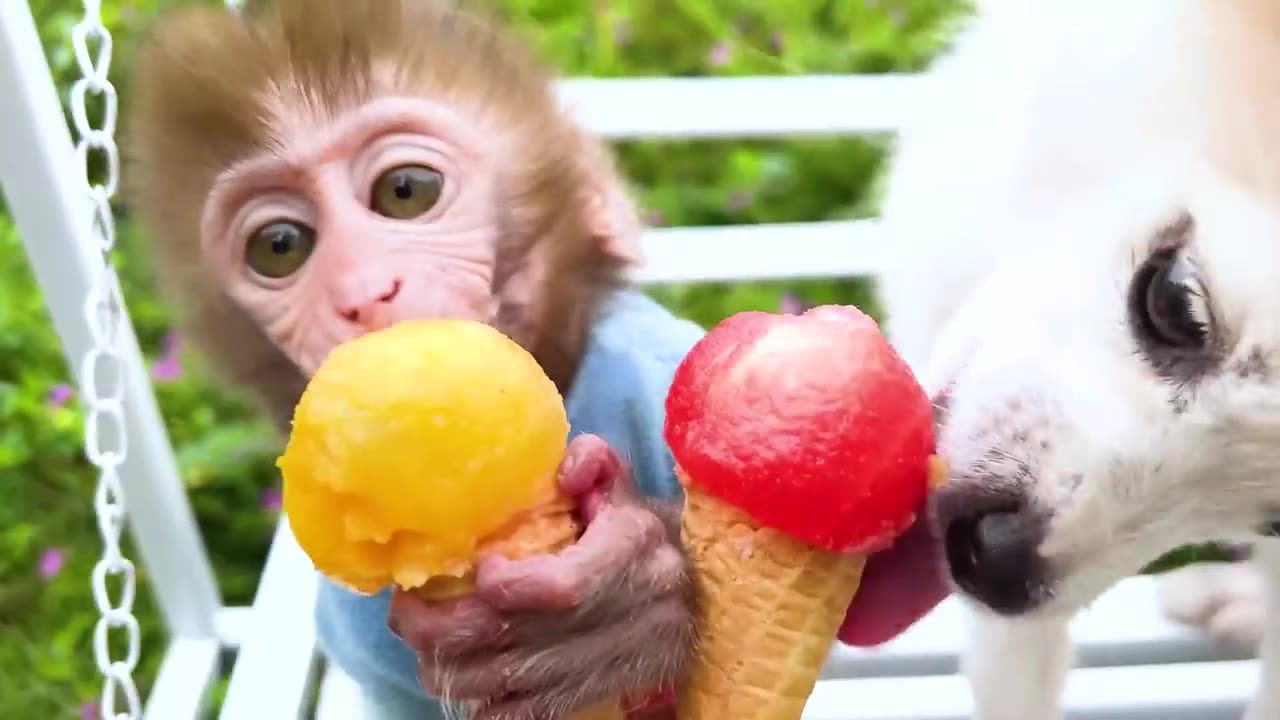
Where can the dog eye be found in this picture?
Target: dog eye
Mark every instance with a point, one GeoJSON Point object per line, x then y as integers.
{"type": "Point", "coordinates": [1169, 314]}
{"type": "Point", "coordinates": [1171, 308]}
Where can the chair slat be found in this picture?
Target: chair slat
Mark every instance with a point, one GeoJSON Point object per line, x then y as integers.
{"type": "Point", "coordinates": [762, 252]}
{"type": "Point", "coordinates": [187, 674]}
{"type": "Point", "coordinates": [740, 107]}
{"type": "Point", "coordinates": [277, 664]}
{"type": "Point", "coordinates": [1185, 691]}
{"type": "Point", "coordinates": [1123, 627]}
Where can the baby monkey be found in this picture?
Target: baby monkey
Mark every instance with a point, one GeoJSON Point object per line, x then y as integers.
{"type": "Point", "coordinates": [312, 170]}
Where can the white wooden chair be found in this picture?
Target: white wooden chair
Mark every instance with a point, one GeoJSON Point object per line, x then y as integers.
{"type": "Point", "coordinates": [1123, 644]}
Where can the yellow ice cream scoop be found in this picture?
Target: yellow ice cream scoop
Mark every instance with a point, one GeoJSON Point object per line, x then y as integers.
{"type": "Point", "coordinates": [413, 445]}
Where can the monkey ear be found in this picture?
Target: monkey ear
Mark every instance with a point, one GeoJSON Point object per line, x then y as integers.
{"type": "Point", "coordinates": [615, 223]}
{"type": "Point", "coordinates": [611, 212]}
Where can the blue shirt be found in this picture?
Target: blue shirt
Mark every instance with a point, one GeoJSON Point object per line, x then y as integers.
{"type": "Point", "coordinates": [619, 393]}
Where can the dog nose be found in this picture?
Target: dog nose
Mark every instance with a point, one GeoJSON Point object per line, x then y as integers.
{"type": "Point", "coordinates": [991, 540]}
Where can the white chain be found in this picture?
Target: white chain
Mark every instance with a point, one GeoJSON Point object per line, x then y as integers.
{"type": "Point", "coordinates": [102, 372]}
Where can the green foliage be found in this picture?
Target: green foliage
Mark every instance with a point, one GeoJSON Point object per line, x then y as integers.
{"type": "Point", "coordinates": [225, 451]}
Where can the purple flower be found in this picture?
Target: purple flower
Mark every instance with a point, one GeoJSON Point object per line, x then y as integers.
{"type": "Point", "coordinates": [778, 41]}
{"type": "Point", "coordinates": [792, 305]}
{"type": "Point", "coordinates": [166, 370]}
{"type": "Point", "coordinates": [51, 563]}
{"type": "Point", "coordinates": [60, 394]}
{"type": "Point", "coordinates": [738, 201]}
{"type": "Point", "coordinates": [720, 55]}
{"type": "Point", "coordinates": [169, 366]}
{"type": "Point", "coordinates": [89, 710]}
{"type": "Point", "coordinates": [654, 218]}
{"type": "Point", "coordinates": [271, 500]}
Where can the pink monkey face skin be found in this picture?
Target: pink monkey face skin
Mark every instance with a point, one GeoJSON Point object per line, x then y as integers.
{"type": "Point", "coordinates": [355, 222]}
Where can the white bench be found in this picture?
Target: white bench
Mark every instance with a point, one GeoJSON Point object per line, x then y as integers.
{"type": "Point", "coordinates": [1122, 642]}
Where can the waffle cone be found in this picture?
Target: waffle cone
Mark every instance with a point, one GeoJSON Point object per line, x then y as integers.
{"type": "Point", "coordinates": [547, 529]}
{"type": "Point", "coordinates": [769, 607]}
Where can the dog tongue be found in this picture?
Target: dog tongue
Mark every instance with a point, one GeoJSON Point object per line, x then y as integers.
{"type": "Point", "coordinates": [899, 586]}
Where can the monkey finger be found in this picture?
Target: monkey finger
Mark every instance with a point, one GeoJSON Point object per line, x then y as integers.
{"type": "Point", "coordinates": [483, 678]}
{"type": "Point", "coordinates": [473, 681]}
{"type": "Point", "coordinates": [433, 678]}
{"type": "Point", "coordinates": [590, 504]}
{"type": "Point", "coordinates": [624, 599]}
{"type": "Point", "coordinates": [669, 511]}
{"type": "Point", "coordinates": [664, 572]}
{"type": "Point", "coordinates": [456, 627]}
{"type": "Point", "coordinates": [633, 655]}
{"type": "Point", "coordinates": [589, 464]}
{"type": "Point", "coordinates": [611, 545]}
{"type": "Point", "coordinates": [537, 584]}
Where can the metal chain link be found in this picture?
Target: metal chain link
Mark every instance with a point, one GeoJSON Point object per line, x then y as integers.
{"type": "Point", "coordinates": [102, 372]}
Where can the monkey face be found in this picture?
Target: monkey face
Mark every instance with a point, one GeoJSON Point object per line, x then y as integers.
{"type": "Point", "coordinates": [311, 170]}
{"type": "Point", "coordinates": [357, 221]}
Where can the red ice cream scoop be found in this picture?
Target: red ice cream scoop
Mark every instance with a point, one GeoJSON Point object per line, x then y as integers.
{"type": "Point", "coordinates": [812, 424]}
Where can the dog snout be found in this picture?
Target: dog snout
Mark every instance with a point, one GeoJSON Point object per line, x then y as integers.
{"type": "Point", "coordinates": [991, 539]}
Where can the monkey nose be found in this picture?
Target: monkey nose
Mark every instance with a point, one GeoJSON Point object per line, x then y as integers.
{"type": "Point", "coordinates": [371, 310]}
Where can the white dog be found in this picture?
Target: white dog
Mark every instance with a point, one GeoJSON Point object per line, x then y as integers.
{"type": "Point", "coordinates": [1086, 219]}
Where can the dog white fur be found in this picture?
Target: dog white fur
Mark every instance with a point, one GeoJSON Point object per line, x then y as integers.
{"type": "Point", "coordinates": [1060, 145]}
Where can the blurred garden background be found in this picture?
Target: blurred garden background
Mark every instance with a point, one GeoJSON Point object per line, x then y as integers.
{"type": "Point", "coordinates": [48, 536]}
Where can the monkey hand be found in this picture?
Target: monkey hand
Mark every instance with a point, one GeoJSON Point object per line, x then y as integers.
{"type": "Point", "coordinates": [604, 618]}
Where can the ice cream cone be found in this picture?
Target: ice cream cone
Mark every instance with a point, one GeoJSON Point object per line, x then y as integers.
{"type": "Point", "coordinates": [769, 609]}
{"type": "Point", "coordinates": [546, 529]}
{"type": "Point", "coordinates": [801, 443]}
{"type": "Point", "coordinates": [769, 606]}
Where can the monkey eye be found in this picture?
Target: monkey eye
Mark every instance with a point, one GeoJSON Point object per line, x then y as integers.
{"type": "Point", "coordinates": [279, 249]}
{"type": "Point", "coordinates": [406, 192]}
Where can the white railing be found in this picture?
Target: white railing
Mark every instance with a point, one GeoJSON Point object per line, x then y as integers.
{"type": "Point", "coordinates": [1121, 642]}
